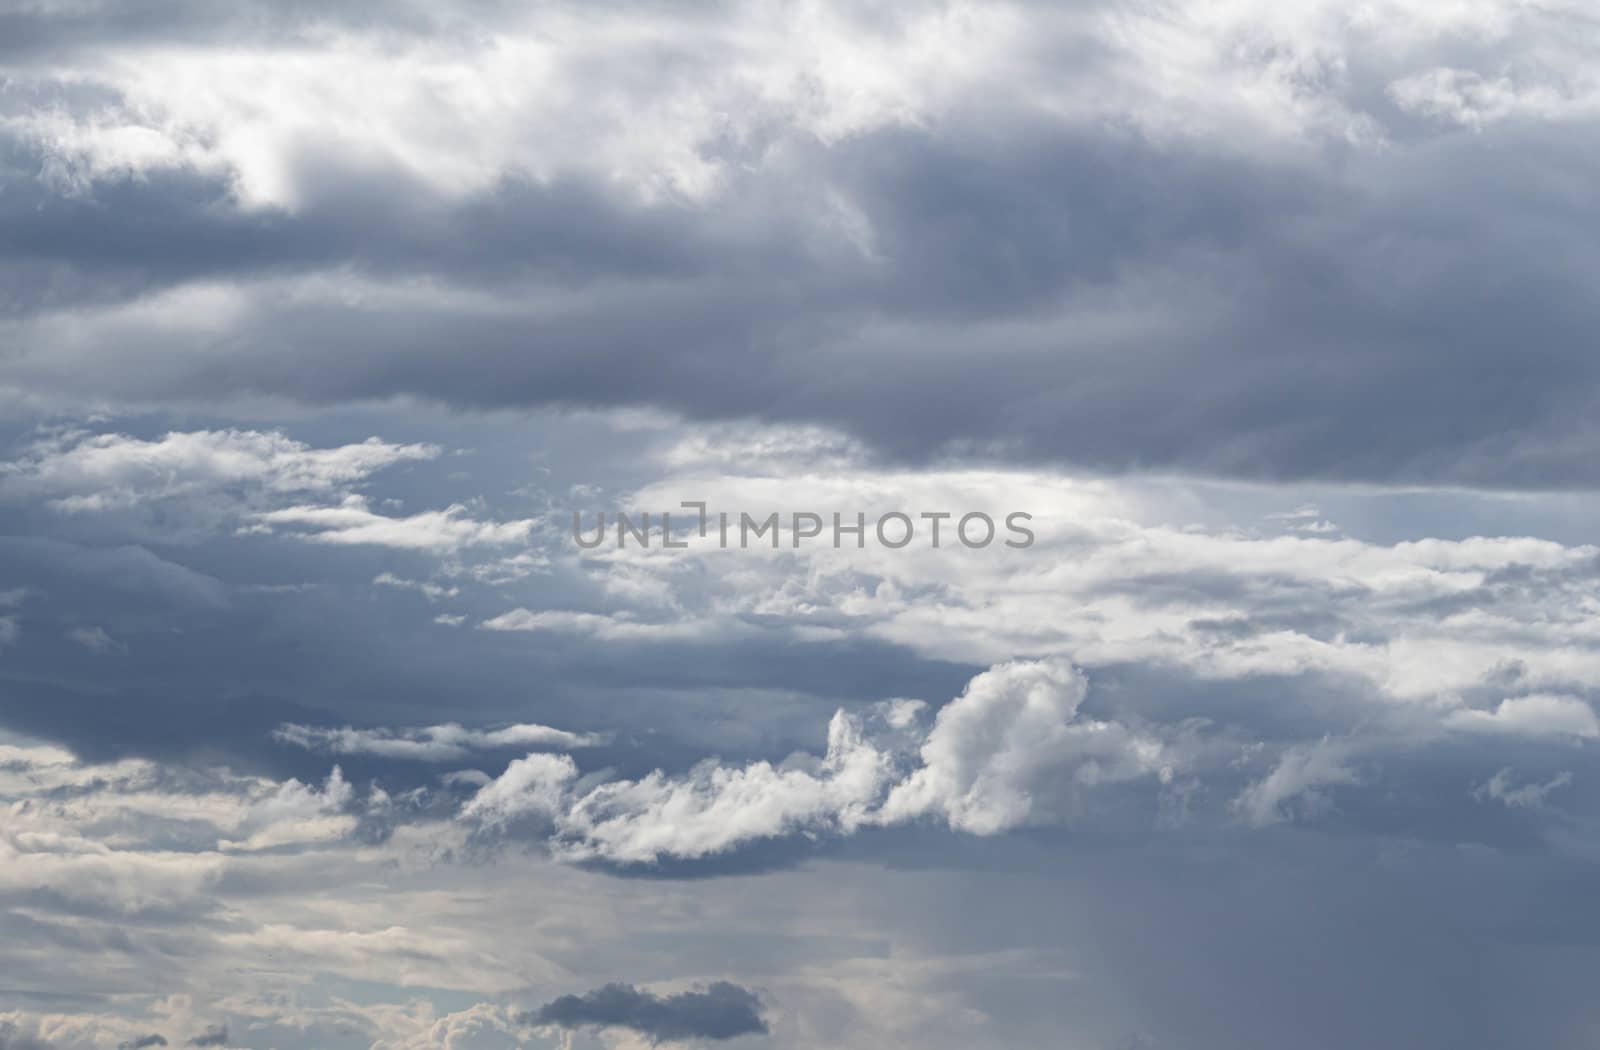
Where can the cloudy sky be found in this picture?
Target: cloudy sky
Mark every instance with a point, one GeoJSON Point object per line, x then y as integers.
{"type": "Point", "coordinates": [320, 322]}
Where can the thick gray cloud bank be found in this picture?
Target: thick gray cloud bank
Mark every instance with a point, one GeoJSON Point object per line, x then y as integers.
{"type": "Point", "coordinates": [1256, 240]}
{"type": "Point", "coordinates": [724, 1010]}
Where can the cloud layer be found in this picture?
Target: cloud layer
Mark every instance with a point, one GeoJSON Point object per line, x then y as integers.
{"type": "Point", "coordinates": [319, 322]}
{"type": "Point", "coordinates": [1323, 264]}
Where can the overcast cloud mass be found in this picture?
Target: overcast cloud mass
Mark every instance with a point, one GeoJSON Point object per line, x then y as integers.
{"type": "Point", "coordinates": [319, 322]}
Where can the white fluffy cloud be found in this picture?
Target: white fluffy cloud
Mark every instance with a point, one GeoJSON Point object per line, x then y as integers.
{"type": "Point", "coordinates": [1009, 751]}
{"type": "Point", "coordinates": [532, 786]}
{"type": "Point", "coordinates": [994, 754]}
{"type": "Point", "coordinates": [715, 808]}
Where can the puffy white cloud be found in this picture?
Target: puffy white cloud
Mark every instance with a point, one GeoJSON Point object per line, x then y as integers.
{"type": "Point", "coordinates": [1010, 750]}
{"type": "Point", "coordinates": [715, 808]}
{"type": "Point", "coordinates": [532, 786]}
{"type": "Point", "coordinates": [998, 751]}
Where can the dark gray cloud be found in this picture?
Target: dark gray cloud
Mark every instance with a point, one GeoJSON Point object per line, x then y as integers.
{"type": "Point", "coordinates": [1415, 311]}
{"type": "Point", "coordinates": [83, 250]}
{"type": "Point", "coordinates": [214, 1035]}
{"type": "Point", "coordinates": [722, 1011]}
{"type": "Point", "coordinates": [1233, 284]}
{"type": "Point", "coordinates": [143, 1042]}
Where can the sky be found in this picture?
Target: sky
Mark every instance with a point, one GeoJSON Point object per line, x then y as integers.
{"type": "Point", "coordinates": [1211, 383]}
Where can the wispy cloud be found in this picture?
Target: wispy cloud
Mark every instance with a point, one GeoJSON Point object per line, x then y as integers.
{"type": "Point", "coordinates": [439, 743]}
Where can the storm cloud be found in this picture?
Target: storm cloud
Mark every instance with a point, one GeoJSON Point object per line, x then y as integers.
{"type": "Point", "coordinates": [1325, 263]}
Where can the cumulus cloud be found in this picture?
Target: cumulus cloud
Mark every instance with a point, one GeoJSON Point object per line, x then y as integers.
{"type": "Point", "coordinates": [716, 808]}
{"type": "Point", "coordinates": [533, 786]}
{"type": "Point", "coordinates": [445, 742]}
{"type": "Point", "coordinates": [1011, 750]}
{"type": "Point", "coordinates": [722, 1011]}
{"type": "Point", "coordinates": [992, 752]}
